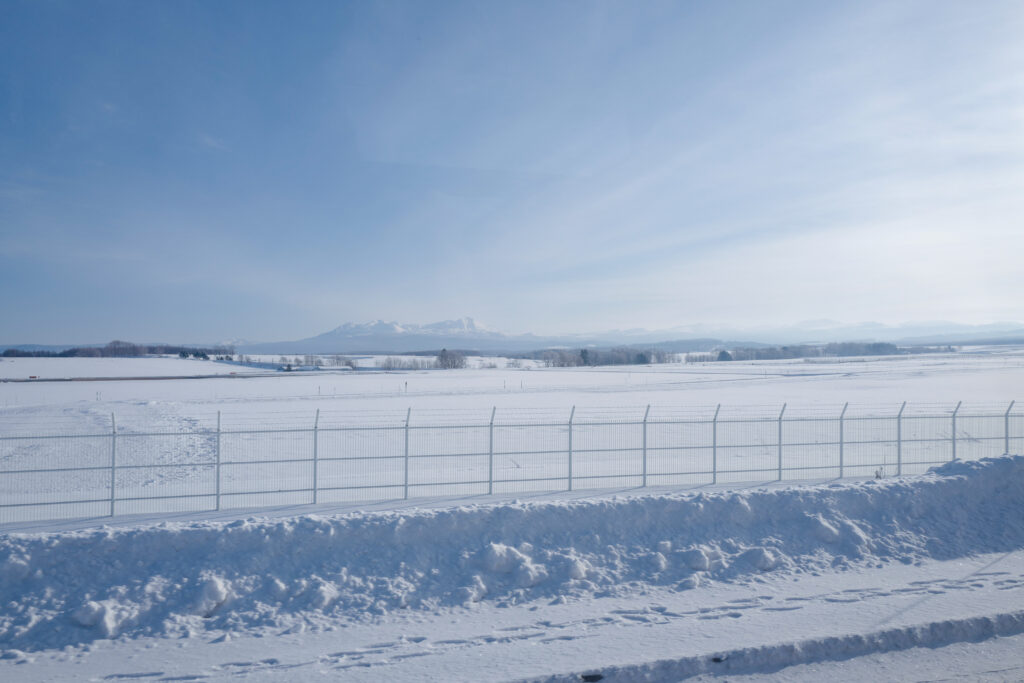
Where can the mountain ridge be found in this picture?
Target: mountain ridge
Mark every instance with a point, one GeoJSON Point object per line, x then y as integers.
{"type": "Point", "coordinates": [380, 336]}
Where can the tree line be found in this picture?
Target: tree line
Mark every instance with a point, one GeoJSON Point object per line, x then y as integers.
{"type": "Point", "coordinates": [445, 360]}
{"type": "Point", "coordinates": [622, 355]}
{"type": "Point", "coordinates": [123, 349]}
{"type": "Point", "coordinates": [831, 350]}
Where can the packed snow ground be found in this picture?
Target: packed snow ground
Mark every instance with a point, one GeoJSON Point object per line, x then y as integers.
{"type": "Point", "coordinates": [652, 587]}
{"type": "Point", "coordinates": [174, 464]}
{"type": "Point", "coordinates": [98, 368]}
{"type": "Point", "coordinates": [934, 562]}
{"type": "Point", "coordinates": [271, 398]}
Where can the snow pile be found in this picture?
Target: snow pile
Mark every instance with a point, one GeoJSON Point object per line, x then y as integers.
{"type": "Point", "coordinates": [770, 658]}
{"type": "Point", "coordinates": [316, 572]}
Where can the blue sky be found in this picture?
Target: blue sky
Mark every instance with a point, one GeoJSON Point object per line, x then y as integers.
{"type": "Point", "coordinates": [198, 171]}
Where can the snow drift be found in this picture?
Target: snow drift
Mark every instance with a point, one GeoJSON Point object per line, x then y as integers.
{"type": "Point", "coordinates": [67, 588]}
{"type": "Point", "coordinates": [771, 658]}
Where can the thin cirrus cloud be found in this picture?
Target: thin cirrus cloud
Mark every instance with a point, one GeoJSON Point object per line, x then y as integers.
{"type": "Point", "coordinates": [546, 167]}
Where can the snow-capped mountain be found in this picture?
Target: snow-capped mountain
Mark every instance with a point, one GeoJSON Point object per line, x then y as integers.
{"type": "Point", "coordinates": [381, 336]}
{"type": "Point", "coordinates": [461, 326]}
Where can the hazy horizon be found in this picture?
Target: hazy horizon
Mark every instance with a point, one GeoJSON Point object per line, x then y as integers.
{"type": "Point", "coordinates": [798, 332]}
{"type": "Point", "coordinates": [200, 172]}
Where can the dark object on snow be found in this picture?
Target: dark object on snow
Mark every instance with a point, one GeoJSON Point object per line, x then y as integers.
{"type": "Point", "coordinates": [592, 678]}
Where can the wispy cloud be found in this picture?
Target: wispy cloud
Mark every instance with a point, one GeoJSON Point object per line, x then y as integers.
{"type": "Point", "coordinates": [668, 164]}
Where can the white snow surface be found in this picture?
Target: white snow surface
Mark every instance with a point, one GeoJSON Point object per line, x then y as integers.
{"type": "Point", "coordinates": [267, 578]}
{"type": "Point", "coordinates": [912, 578]}
{"type": "Point", "coordinates": [95, 368]}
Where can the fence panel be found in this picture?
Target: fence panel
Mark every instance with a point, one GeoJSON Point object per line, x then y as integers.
{"type": "Point", "coordinates": [607, 455]}
{"type": "Point", "coordinates": [680, 453]}
{"type": "Point", "coordinates": [747, 449]}
{"type": "Point", "coordinates": [871, 446]}
{"type": "Point", "coordinates": [926, 442]}
{"type": "Point", "coordinates": [54, 476]}
{"type": "Point", "coordinates": [531, 457]}
{"type": "Point", "coordinates": [360, 464]}
{"type": "Point", "coordinates": [979, 436]}
{"type": "Point", "coordinates": [810, 448]}
{"type": "Point", "coordinates": [448, 460]}
{"type": "Point", "coordinates": [1014, 426]}
{"type": "Point", "coordinates": [266, 468]}
{"type": "Point", "coordinates": [165, 473]}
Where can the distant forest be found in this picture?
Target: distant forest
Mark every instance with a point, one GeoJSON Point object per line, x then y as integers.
{"type": "Point", "coordinates": [835, 349]}
{"type": "Point", "coordinates": [123, 349]}
{"type": "Point", "coordinates": [571, 358]}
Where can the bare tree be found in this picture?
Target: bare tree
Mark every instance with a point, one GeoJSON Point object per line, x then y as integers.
{"type": "Point", "coordinates": [450, 360]}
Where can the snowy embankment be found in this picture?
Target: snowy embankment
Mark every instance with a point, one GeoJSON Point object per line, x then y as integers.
{"type": "Point", "coordinates": [313, 572]}
{"type": "Point", "coordinates": [777, 656]}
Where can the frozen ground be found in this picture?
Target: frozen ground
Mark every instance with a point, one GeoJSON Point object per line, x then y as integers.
{"type": "Point", "coordinates": [921, 577]}
{"type": "Point", "coordinates": [466, 436]}
{"type": "Point", "coordinates": [888, 580]}
{"type": "Point", "coordinates": [93, 368]}
{"type": "Point", "coordinates": [990, 377]}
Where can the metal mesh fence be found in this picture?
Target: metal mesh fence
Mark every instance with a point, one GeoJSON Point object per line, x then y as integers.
{"type": "Point", "coordinates": [342, 458]}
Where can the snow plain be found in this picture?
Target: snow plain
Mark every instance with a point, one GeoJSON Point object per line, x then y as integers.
{"type": "Point", "coordinates": [844, 579]}
{"type": "Point", "coordinates": [990, 377]}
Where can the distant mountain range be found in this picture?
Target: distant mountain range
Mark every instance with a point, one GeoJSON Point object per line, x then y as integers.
{"type": "Point", "coordinates": [381, 336]}
{"type": "Point", "coordinates": [466, 334]}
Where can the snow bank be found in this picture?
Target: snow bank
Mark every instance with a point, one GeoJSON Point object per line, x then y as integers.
{"type": "Point", "coordinates": [258, 575]}
{"type": "Point", "coordinates": [769, 658]}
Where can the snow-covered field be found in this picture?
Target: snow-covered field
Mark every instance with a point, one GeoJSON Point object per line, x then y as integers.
{"type": "Point", "coordinates": [180, 454]}
{"type": "Point", "coordinates": [656, 587]}
{"type": "Point", "coordinates": [990, 377]}
{"type": "Point", "coordinates": [841, 580]}
{"type": "Point", "coordinates": [94, 368]}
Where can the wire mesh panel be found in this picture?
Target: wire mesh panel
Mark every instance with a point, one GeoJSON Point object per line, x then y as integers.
{"type": "Point", "coordinates": [365, 456]}
{"type": "Point", "coordinates": [360, 464]}
{"type": "Point", "coordinates": [1014, 433]}
{"type": "Point", "coordinates": [54, 477]}
{"type": "Point", "coordinates": [979, 436]}
{"type": "Point", "coordinates": [531, 457]}
{"type": "Point", "coordinates": [266, 468]}
{"type": "Point", "coordinates": [607, 454]}
{"type": "Point", "coordinates": [448, 460]}
{"type": "Point", "coordinates": [747, 450]}
{"type": "Point", "coordinates": [680, 452]}
{"type": "Point", "coordinates": [870, 446]}
{"type": "Point", "coordinates": [926, 441]}
{"type": "Point", "coordinates": [810, 448]}
{"type": "Point", "coordinates": [164, 473]}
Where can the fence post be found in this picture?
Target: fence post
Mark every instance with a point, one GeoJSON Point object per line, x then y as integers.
{"type": "Point", "coordinates": [405, 486]}
{"type": "Point", "coordinates": [316, 458]}
{"type": "Point", "coordinates": [781, 413]}
{"type": "Point", "coordinates": [646, 412]}
{"type": "Point", "coordinates": [953, 435]}
{"type": "Point", "coordinates": [899, 440]}
{"type": "Point", "coordinates": [571, 414]}
{"type": "Point", "coordinates": [714, 445]}
{"type": "Point", "coordinates": [490, 453]}
{"type": "Point", "coordinates": [113, 460]}
{"type": "Point", "coordinates": [841, 439]}
{"type": "Point", "coordinates": [218, 461]}
{"type": "Point", "coordinates": [1006, 426]}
